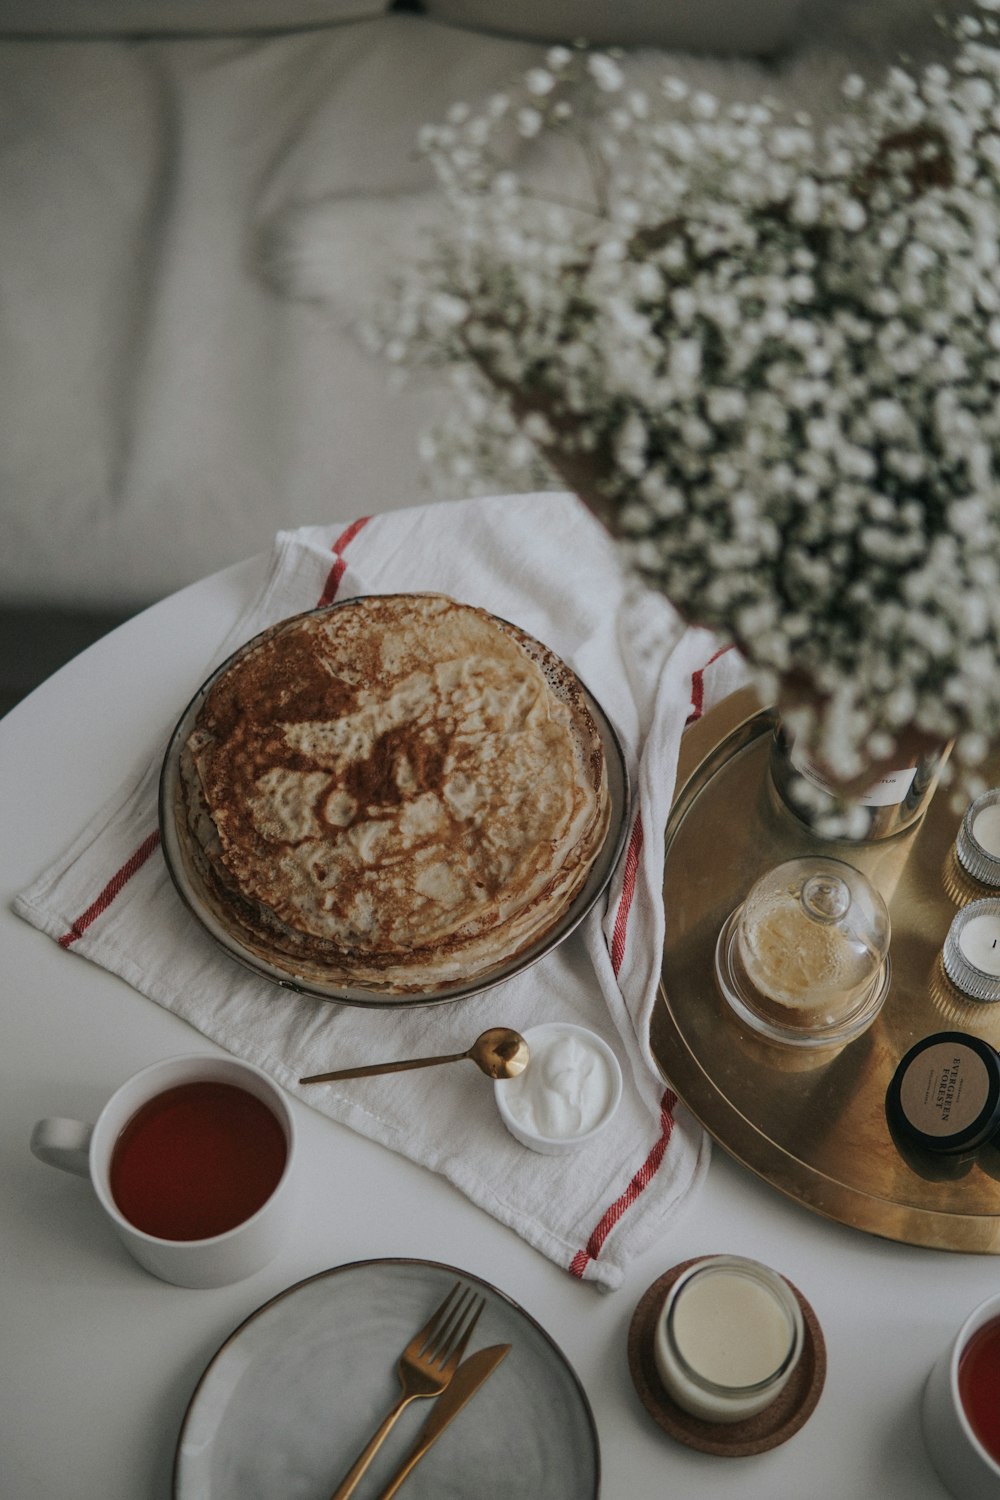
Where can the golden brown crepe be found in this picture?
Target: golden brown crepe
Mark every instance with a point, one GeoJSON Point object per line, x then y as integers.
{"type": "Point", "coordinates": [402, 789]}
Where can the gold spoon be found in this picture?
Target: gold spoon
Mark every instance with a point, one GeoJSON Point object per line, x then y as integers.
{"type": "Point", "coordinates": [499, 1052]}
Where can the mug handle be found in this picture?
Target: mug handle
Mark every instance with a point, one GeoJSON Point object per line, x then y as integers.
{"type": "Point", "coordinates": [63, 1143]}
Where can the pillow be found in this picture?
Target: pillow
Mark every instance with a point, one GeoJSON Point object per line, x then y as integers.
{"type": "Point", "coordinates": [723, 26]}
{"type": "Point", "coordinates": [126, 17]}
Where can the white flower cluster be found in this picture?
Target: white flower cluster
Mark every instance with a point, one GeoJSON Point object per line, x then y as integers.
{"type": "Point", "coordinates": [770, 352]}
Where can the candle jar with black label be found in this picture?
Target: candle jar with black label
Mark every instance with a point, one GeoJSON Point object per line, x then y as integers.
{"type": "Point", "coordinates": [944, 1097]}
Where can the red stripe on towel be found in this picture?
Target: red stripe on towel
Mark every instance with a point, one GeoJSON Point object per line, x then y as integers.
{"type": "Point", "coordinates": [135, 861]}
{"type": "Point", "coordinates": [638, 1184]}
{"type": "Point", "coordinates": [644, 1176]}
{"type": "Point", "coordinates": [651, 1165]}
{"type": "Point", "coordinates": [698, 686]}
{"type": "Point", "coordinates": [628, 891]}
{"type": "Point", "coordinates": [339, 568]}
{"type": "Point", "coordinates": [117, 882]}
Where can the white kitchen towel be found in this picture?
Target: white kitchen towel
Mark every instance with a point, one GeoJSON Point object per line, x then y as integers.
{"type": "Point", "coordinates": [542, 562]}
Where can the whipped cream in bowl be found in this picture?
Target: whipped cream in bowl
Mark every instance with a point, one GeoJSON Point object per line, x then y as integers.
{"type": "Point", "coordinates": [568, 1092]}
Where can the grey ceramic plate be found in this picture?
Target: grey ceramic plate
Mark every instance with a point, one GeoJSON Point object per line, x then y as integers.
{"type": "Point", "coordinates": [292, 1396]}
{"type": "Point", "coordinates": [310, 979]}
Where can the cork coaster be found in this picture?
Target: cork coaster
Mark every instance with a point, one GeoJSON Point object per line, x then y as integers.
{"type": "Point", "coordinates": [769, 1428]}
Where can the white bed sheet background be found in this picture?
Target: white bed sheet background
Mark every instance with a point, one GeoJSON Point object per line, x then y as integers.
{"type": "Point", "coordinates": [188, 231]}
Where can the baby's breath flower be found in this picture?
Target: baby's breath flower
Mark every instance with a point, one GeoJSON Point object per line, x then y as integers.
{"type": "Point", "coordinates": [771, 349]}
{"type": "Point", "coordinates": [606, 73]}
{"type": "Point", "coordinates": [539, 81]}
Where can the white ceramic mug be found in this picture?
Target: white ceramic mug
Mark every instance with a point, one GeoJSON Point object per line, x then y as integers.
{"type": "Point", "coordinates": [87, 1150]}
{"type": "Point", "coordinates": [964, 1466]}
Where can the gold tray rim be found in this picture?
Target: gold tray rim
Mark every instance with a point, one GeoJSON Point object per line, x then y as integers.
{"type": "Point", "coordinates": [723, 731]}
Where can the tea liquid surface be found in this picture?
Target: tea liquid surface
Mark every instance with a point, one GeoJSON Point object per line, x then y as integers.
{"type": "Point", "coordinates": [979, 1385]}
{"type": "Point", "coordinates": [196, 1161]}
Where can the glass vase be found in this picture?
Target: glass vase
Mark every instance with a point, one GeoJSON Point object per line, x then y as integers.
{"type": "Point", "coordinates": [895, 801]}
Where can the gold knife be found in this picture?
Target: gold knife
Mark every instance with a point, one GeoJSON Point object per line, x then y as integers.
{"type": "Point", "coordinates": [461, 1388]}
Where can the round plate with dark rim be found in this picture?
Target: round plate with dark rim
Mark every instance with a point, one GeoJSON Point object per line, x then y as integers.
{"type": "Point", "coordinates": [289, 1400]}
{"type": "Point", "coordinates": [308, 978]}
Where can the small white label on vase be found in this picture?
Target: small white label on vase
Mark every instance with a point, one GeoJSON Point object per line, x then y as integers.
{"type": "Point", "coordinates": [979, 941]}
{"type": "Point", "coordinates": [888, 791]}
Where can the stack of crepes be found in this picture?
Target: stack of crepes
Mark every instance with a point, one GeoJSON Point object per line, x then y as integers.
{"type": "Point", "coordinates": [400, 792]}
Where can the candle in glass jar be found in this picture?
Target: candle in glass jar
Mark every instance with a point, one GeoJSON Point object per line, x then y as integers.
{"type": "Point", "coordinates": [944, 1096]}
{"type": "Point", "coordinates": [979, 940]}
{"type": "Point", "coordinates": [978, 842]}
{"type": "Point", "coordinates": [972, 950]}
{"type": "Point", "coordinates": [728, 1338]}
{"type": "Point", "coordinates": [986, 826]}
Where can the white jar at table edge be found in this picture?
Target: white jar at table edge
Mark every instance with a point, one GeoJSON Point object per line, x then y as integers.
{"type": "Point", "coordinates": [728, 1338]}
{"type": "Point", "coordinates": [566, 1095]}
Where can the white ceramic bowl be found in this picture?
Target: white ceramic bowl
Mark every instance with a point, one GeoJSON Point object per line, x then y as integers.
{"type": "Point", "coordinates": [553, 1145]}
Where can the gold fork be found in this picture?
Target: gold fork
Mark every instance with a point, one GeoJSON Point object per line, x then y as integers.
{"type": "Point", "coordinates": [424, 1368]}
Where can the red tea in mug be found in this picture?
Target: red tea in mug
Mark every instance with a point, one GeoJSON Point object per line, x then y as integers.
{"type": "Point", "coordinates": [197, 1160]}
{"type": "Point", "coordinates": [979, 1385]}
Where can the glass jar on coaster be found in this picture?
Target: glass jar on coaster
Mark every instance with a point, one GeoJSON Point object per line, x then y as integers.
{"type": "Point", "coordinates": [726, 1355]}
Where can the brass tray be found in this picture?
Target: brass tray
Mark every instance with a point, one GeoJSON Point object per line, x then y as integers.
{"type": "Point", "coordinates": [813, 1125]}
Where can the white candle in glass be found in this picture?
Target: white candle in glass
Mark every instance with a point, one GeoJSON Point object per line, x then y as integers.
{"type": "Point", "coordinates": [986, 828]}
{"type": "Point", "coordinates": [978, 841]}
{"type": "Point", "coordinates": [728, 1338]}
{"type": "Point", "coordinates": [972, 950]}
{"type": "Point", "coordinates": [979, 940]}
